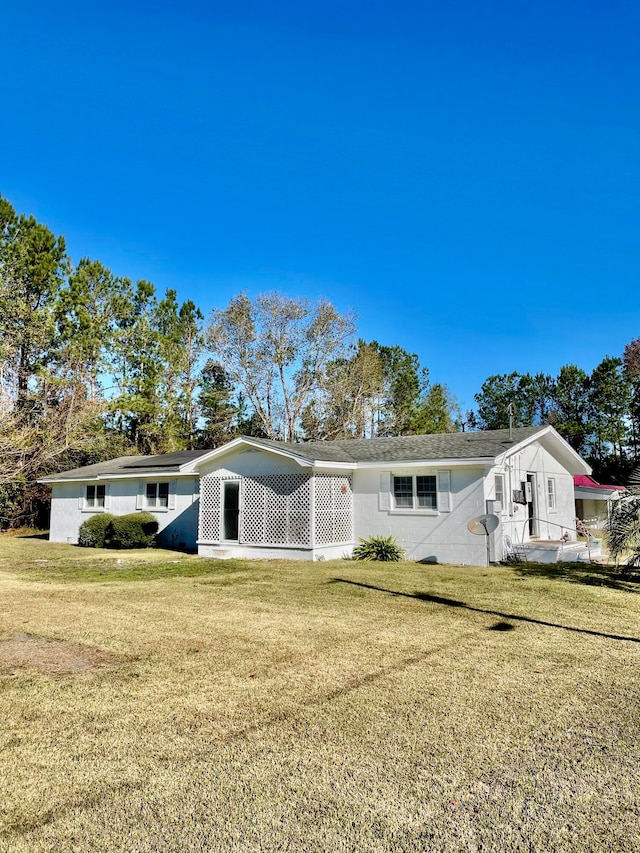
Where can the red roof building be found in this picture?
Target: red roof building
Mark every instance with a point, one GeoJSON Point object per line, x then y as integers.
{"type": "Point", "coordinates": [584, 481]}
{"type": "Point", "coordinates": [593, 500]}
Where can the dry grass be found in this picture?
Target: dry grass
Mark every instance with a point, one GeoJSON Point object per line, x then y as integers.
{"type": "Point", "coordinates": [303, 707]}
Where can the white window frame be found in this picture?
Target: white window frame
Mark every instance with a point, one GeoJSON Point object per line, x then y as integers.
{"type": "Point", "coordinates": [415, 505]}
{"type": "Point", "coordinates": [499, 488]}
{"type": "Point", "coordinates": [97, 502]}
{"type": "Point", "coordinates": [552, 503]}
{"type": "Point", "coordinates": [154, 502]}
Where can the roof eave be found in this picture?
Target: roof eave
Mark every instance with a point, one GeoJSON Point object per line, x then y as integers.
{"type": "Point", "coordinates": [501, 458]}
{"type": "Point", "coordinates": [448, 462]}
{"type": "Point", "coordinates": [346, 466]}
{"type": "Point", "coordinates": [155, 473]}
{"type": "Point", "coordinates": [593, 494]}
{"type": "Point", "coordinates": [576, 464]}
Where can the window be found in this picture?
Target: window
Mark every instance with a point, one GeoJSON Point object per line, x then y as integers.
{"type": "Point", "coordinates": [403, 491]}
{"type": "Point", "coordinates": [94, 497]}
{"type": "Point", "coordinates": [415, 492]}
{"type": "Point", "coordinates": [426, 492]}
{"type": "Point", "coordinates": [551, 493]}
{"type": "Point", "coordinates": [499, 481]}
{"type": "Point", "coordinates": [157, 495]}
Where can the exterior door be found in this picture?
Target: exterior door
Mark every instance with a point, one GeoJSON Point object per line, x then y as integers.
{"type": "Point", "coordinates": [532, 506]}
{"type": "Point", "coordinates": [230, 510]}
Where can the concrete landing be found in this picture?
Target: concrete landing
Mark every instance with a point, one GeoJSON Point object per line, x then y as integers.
{"type": "Point", "coordinates": [556, 551]}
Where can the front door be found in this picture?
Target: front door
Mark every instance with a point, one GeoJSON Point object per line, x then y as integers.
{"type": "Point", "coordinates": [532, 505]}
{"type": "Point", "coordinates": [230, 509]}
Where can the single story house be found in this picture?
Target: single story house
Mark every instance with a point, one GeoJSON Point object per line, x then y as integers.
{"type": "Point", "coordinates": [256, 497]}
{"type": "Point", "coordinates": [159, 484]}
{"type": "Point", "coordinates": [594, 500]}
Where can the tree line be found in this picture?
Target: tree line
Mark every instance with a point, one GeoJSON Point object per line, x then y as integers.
{"type": "Point", "coordinates": [94, 365]}
{"type": "Point", "coordinates": [598, 413]}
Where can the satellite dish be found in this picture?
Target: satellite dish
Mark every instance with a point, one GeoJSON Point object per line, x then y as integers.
{"type": "Point", "coordinates": [483, 525]}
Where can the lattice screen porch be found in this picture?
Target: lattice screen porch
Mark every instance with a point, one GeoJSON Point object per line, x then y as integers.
{"type": "Point", "coordinates": [298, 509]}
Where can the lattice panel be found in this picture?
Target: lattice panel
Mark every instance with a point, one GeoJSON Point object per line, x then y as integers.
{"type": "Point", "coordinates": [276, 509]}
{"type": "Point", "coordinates": [333, 509]}
{"type": "Point", "coordinates": [209, 522]}
{"type": "Point", "coordinates": [210, 517]}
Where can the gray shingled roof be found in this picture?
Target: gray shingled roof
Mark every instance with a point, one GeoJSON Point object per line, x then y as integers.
{"type": "Point", "coordinates": [408, 448]}
{"type": "Point", "coordinates": [164, 463]}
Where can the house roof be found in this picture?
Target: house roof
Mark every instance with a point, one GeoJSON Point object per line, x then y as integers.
{"type": "Point", "coordinates": [406, 448]}
{"type": "Point", "coordinates": [486, 447]}
{"type": "Point", "coordinates": [483, 446]}
{"type": "Point", "coordinates": [583, 481]}
{"type": "Point", "coordinates": [130, 466]}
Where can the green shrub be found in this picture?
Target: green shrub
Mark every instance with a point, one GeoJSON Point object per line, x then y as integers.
{"type": "Point", "coordinates": [136, 530]}
{"type": "Point", "coordinates": [93, 531]}
{"type": "Point", "coordinates": [383, 549]}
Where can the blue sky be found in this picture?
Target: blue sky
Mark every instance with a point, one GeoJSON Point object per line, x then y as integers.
{"type": "Point", "coordinates": [465, 175]}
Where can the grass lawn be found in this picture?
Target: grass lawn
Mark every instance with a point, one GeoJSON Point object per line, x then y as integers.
{"type": "Point", "coordinates": [170, 703]}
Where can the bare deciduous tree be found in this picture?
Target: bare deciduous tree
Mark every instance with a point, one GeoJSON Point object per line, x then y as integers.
{"type": "Point", "coordinates": [276, 349]}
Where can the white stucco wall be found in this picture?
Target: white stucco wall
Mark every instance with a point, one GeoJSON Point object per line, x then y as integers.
{"type": "Point", "coordinates": [439, 537]}
{"type": "Point", "coordinates": [178, 526]}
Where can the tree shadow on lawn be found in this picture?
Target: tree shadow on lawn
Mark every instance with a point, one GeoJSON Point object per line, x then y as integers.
{"type": "Point", "coordinates": [589, 574]}
{"type": "Point", "coordinates": [452, 602]}
{"type": "Point", "coordinates": [43, 536]}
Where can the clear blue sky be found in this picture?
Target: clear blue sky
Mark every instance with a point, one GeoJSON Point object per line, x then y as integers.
{"type": "Point", "coordinates": [465, 175]}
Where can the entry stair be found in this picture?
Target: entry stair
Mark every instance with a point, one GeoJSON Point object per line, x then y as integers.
{"type": "Point", "coordinates": [564, 549]}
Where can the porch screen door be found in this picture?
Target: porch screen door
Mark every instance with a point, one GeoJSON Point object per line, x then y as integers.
{"type": "Point", "coordinates": [230, 509]}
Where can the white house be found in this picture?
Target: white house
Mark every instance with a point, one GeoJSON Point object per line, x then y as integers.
{"type": "Point", "coordinates": [313, 500]}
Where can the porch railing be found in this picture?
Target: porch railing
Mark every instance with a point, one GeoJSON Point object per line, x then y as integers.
{"type": "Point", "coordinates": [563, 529]}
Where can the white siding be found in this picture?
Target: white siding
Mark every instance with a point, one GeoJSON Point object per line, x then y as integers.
{"type": "Point", "coordinates": [178, 526]}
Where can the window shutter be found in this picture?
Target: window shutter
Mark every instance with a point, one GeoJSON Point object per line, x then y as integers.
{"type": "Point", "coordinates": [140, 498]}
{"type": "Point", "coordinates": [384, 496]}
{"type": "Point", "coordinates": [107, 496]}
{"type": "Point", "coordinates": [83, 491]}
{"type": "Point", "coordinates": [444, 491]}
{"type": "Point", "coordinates": [173, 488]}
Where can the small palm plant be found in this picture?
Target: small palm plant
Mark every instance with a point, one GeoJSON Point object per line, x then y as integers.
{"type": "Point", "coordinates": [623, 526]}
{"type": "Point", "coordinates": [383, 549]}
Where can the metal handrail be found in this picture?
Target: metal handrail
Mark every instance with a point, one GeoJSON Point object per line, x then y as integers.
{"type": "Point", "coordinates": [562, 528]}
